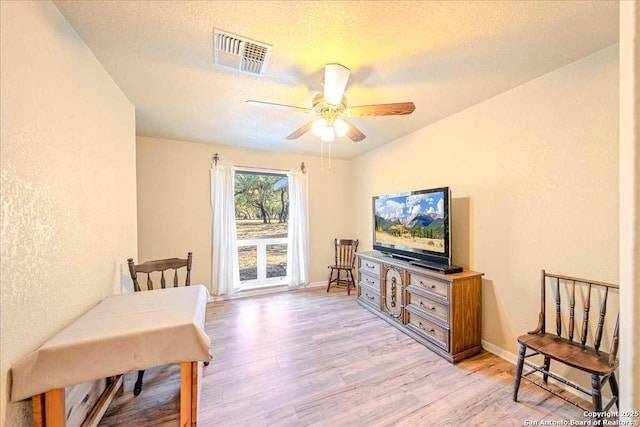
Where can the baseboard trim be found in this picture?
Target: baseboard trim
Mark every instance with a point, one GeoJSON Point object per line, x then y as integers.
{"type": "Point", "coordinates": [500, 352]}
{"type": "Point", "coordinates": [264, 291]}
{"type": "Point", "coordinates": [315, 285]}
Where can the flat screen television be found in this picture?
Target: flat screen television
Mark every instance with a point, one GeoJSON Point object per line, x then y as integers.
{"type": "Point", "coordinates": [414, 225]}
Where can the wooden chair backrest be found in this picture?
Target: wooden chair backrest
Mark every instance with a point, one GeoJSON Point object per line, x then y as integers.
{"type": "Point", "coordinates": [161, 266]}
{"type": "Point", "coordinates": [346, 252]}
{"type": "Point", "coordinates": [567, 285]}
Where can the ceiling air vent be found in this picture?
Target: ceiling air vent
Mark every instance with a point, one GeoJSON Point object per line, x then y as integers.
{"type": "Point", "coordinates": [240, 53]}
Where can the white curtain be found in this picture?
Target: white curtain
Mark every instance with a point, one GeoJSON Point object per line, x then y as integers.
{"type": "Point", "coordinates": [224, 265]}
{"type": "Point", "coordinates": [298, 249]}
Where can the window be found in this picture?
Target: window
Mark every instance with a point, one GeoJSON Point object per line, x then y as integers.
{"type": "Point", "coordinates": [262, 211]}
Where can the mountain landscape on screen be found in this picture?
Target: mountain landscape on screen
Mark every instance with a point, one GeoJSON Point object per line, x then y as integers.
{"type": "Point", "coordinates": [411, 221]}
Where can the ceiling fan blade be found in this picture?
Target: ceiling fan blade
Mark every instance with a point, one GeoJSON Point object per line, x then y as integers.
{"type": "Point", "coordinates": [354, 133]}
{"type": "Point", "coordinates": [335, 82]}
{"type": "Point", "coordinates": [396, 109]}
{"type": "Point", "coordinates": [279, 106]}
{"type": "Point", "coordinates": [300, 131]}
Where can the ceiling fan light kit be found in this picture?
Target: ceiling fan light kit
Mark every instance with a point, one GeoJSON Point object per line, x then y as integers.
{"type": "Point", "coordinates": [317, 128]}
{"type": "Point", "coordinates": [329, 124]}
{"type": "Point", "coordinates": [328, 134]}
{"type": "Point", "coordinates": [341, 127]}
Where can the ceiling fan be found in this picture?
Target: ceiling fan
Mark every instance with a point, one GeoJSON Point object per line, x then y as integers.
{"type": "Point", "coordinates": [331, 108]}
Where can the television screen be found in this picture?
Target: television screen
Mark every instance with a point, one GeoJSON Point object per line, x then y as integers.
{"type": "Point", "coordinates": [414, 224]}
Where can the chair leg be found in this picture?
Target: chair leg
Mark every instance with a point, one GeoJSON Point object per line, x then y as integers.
{"type": "Point", "coordinates": [137, 388]}
{"type": "Point", "coordinates": [614, 388]}
{"type": "Point", "coordinates": [547, 364]}
{"type": "Point", "coordinates": [596, 393]}
{"type": "Point", "coordinates": [353, 280]}
{"type": "Point", "coordinates": [329, 279]}
{"type": "Point", "coordinates": [518, 376]}
{"type": "Point", "coordinates": [348, 280]}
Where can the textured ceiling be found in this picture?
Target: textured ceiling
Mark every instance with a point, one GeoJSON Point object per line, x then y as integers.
{"type": "Point", "coordinates": [443, 56]}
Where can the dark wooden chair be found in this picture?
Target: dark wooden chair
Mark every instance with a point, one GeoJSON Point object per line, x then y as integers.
{"type": "Point", "coordinates": [561, 347]}
{"type": "Point", "coordinates": [345, 259]}
{"type": "Point", "coordinates": [156, 266]}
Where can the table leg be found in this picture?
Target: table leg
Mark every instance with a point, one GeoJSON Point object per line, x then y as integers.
{"type": "Point", "coordinates": [48, 409]}
{"type": "Point", "coordinates": [37, 409]}
{"type": "Point", "coordinates": [189, 394]}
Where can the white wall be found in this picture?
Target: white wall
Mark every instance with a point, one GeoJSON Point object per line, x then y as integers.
{"type": "Point", "coordinates": [67, 157]}
{"type": "Point", "coordinates": [534, 177]}
{"type": "Point", "coordinates": [174, 204]}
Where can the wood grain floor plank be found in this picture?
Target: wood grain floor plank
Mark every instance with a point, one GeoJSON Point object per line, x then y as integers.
{"type": "Point", "coordinates": [311, 358]}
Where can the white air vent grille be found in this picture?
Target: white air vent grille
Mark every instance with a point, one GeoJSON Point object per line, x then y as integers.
{"type": "Point", "coordinates": [240, 53]}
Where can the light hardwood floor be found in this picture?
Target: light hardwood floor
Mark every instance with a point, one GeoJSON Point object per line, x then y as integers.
{"type": "Point", "coordinates": [308, 358]}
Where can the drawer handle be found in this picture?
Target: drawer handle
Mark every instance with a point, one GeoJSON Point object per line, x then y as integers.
{"type": "Point", "coordinates": [369, 296]}
{"type": "Point", "coordinates": [366, 279]}
{"type": "Point", "coordinates": [433, 307]}
{"type": "Point", "coordinates": [370, 266]}
{"type": "Point", "coordinates": [424, 286]}
{"type": "Point", "coordinates": [425, 329]}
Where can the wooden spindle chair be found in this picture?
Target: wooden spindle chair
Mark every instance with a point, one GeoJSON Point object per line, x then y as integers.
{"type": "Point", "coordinates": [161, 266]}
{"type": "Point", "coordinates": [561, 347]}
{"type": "Point", "coordinates": [345, 260]}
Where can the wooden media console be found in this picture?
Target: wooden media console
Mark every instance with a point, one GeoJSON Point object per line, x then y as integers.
{"type": "Point", "coordinates": [441, 311]}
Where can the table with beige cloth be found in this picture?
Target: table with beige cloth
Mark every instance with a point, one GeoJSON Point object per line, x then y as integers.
{"type": "Point", "coordinates": [123, 333]}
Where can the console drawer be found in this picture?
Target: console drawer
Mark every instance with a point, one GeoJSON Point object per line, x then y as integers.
{"type": "Point", "coordinates": [370, 267]}
{"type": "Point", "coordinates": [428, 329]}
{"type": "Point", "coordinates": [369, 295]}
{"type": "Point", "coordinates": [374, 282]}
{"type": "Point", "coordinates": [434, 308]}
{"type": "Point", "coordinates": [438, 287]}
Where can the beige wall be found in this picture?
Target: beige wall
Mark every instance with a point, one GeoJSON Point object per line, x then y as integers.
{"type": "Point", "coordinates": [534, 177]}
{"type": "Point", "coordinates": [174, 202]}
{"type": "Point", "coordinates": [67, 157]}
